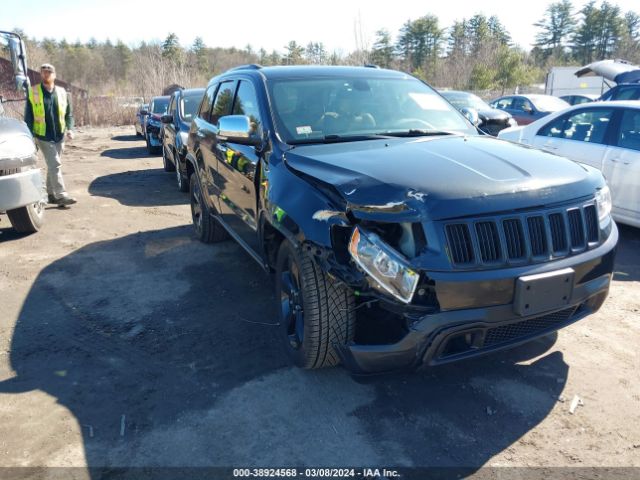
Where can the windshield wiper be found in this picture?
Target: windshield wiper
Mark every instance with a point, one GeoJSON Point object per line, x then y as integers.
{"type": "Point", "coordinates": [338, 139]}
{"type": "Point", "coordinates": [415, 132]}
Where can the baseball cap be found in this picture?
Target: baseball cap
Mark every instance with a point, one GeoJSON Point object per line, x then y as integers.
{"type": "Point", "coordinates": [48, 66]}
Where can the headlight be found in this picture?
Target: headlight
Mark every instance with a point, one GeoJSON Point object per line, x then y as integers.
{"type": "Point", "coordinates": [603, 202]}
{"type": "Point", "coordinates": [383, 264]}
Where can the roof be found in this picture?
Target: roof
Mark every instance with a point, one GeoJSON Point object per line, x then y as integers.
{"type": "Point", "coordinates": [305, 71]}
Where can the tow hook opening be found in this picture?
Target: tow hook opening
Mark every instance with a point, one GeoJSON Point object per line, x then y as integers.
{"type": "Point", "coordinates": [377, 326]}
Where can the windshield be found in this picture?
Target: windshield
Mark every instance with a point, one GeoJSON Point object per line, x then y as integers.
{"type": "Point", "coordinates": [321, 108]}
{"type": "Point", "coordinates": [465, 100]}
{"type": "Point", "coordinates": [549, 103]}
{"type": "Point", "coordinates": [159, 105]}
{"type": "Point", "coordinates": [189, 105]}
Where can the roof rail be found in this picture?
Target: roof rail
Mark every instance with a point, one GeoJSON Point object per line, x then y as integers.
{"type": "Point", "coordinates": [371, 65]}
{"type": "Point", "coordinates": [250, 66]}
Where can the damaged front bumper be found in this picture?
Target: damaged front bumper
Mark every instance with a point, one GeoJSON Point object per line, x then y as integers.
{"type": "Point", "coordinates": [456, 334]}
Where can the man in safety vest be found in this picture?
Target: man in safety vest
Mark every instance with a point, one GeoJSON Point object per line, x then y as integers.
{"type": "Point", "coordinates": [48, 115]}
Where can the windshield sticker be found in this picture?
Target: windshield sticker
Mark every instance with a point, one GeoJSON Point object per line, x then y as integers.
{"type": "Point", "coordinates": [305, 130]}
{"type": "Point", "coordinates": [427, 101]}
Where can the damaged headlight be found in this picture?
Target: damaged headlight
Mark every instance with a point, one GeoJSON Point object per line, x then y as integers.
{"type": "Point", "coordinates": [603, 202]}
{"type": "Point", "coordinates": [383, 264]}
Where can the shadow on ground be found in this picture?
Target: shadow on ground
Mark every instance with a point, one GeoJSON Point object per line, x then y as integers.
{"type": "Point", "coordinates": [162, 349]}
{"type": "Point", "coordinates": [153, 187]}
{"type": "Point", "coordinates": [127, 138]}
{"type": "Point", "coordinates": [127, 153]}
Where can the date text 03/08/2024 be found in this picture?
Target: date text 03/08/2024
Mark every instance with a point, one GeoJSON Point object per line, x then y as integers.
{"type": "Point", "coordinates": [371, 473]}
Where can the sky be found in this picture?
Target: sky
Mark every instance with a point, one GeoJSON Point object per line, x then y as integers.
{"type": "Point", "coordinates": [268, 24]}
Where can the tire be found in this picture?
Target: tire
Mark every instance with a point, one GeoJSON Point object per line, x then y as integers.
{"type": "Point", "coordinates": [166, 164]}
{"type": "Point", "coordinates": [181, 182]}
{"type": "Point", "coordinates": [27, 219]}
{"type": "Point", "coordinates": [207, 229]}
{"type": "Point", "coordinates": [316, 313]}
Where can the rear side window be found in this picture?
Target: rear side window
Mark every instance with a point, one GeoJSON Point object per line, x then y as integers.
{"type": "Point", "coordinates": [246, 103]}
{"type": "Point", "coordinates": [224, 101]}
{"type": "Point", "coordinates": [588, 125]}
{"type": "Point", "coordinates": [629, 134]}
{"type": "Point", "coordinates": [522, 104]}
{"type": "Point", "coordinates": [207, 103]}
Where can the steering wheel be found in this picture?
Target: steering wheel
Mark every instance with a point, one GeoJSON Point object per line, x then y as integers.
{"type": "Point", "coordinates": [415, 123]}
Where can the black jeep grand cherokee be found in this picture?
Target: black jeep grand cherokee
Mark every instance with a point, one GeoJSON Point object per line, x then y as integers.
{"type": "Point", "coordinates": [399, 237]}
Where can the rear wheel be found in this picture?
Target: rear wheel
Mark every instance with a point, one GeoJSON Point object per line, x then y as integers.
{"type": "Point", "coordinates": [316, 313]}
{"type": "Point", "coordinates": [27, 219]}
{"type": "Point", "coordinates": [207, 229]}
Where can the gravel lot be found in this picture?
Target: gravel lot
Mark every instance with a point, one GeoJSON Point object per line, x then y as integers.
{"type": "Point", "coordinates": [126, 342]}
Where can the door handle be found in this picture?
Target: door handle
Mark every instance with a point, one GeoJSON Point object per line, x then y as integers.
{"type": "Point", "coordinates": [617, 160]}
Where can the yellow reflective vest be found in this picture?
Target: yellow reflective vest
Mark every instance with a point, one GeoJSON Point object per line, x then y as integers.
{"type": "Point", "coordinates": [36, 98]}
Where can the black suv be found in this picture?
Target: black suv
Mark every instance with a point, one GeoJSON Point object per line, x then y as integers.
{"type": "Point", "coordinates": [152, 123]}
{"type": "Point", "coordinates": [398, 235]}
{"type": "Point", "coordinates": [176, 122]}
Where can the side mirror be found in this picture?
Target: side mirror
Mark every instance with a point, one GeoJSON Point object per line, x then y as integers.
{"type": "Point", "coordinates": [527, 108]}
{"type": "Point", "coordinates": [19, 61]}
{"type": "Point", "coordinates": [166, 119]}
{"type": "Point", "coordinates": [237, 129]}
{"type": "Point", "coordinates": [471, 114]}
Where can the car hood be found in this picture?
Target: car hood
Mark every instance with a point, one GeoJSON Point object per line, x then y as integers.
{"type": "Point", "coordinates": [440, 177]}
{"type": "Point", "coordinates": [16, 141]}
{"type": "Point", "coordinates": [493, 114]}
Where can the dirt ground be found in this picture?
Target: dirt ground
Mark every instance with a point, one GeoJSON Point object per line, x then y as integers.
{"type": "Point", "coordinates": [126, 342]}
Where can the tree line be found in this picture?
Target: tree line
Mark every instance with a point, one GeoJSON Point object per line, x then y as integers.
{"type": "Point", "coordinates": [475, 53]}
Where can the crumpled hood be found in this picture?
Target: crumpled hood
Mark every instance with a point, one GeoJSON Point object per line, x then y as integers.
{"type": "Point", "coordinates": [442, 177]}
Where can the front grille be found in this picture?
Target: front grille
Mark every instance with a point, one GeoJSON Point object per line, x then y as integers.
{"type": "Point", "coordinates": [460, 243]}
{"type": "Point", "coordinates": [526, 328]}
{"type": "Point", "coordinates": [9, 171]}
{"type": "Point", "coordinates": [533, 237]}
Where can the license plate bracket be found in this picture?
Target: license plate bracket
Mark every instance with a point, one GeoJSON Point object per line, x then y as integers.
{"type": "Point", "coordinates": [543, 292]}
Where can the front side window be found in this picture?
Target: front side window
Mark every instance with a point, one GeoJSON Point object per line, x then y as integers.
{"type": "Point", "coordinates": [159, 106]}
{"type": "Point", "coordinates": [588, 125]}
{"type": "Point", "coordinates": [223, 102]}
{"type": "Point", "coordinates": [189, 105]}
{"type": "Point", "coordinates": [522, 104]}
{"type": "Point", "coordinates": [629, 134]}
{"type": "Point", "coordinates": [319, 108]}
{"type": "Point", "coordinates": [246, 103]}
{"type": "Point", "coordinates": [503, 103]}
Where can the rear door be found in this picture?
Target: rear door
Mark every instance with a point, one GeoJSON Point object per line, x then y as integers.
{"type": "Point", "coordinates": [622, 167]}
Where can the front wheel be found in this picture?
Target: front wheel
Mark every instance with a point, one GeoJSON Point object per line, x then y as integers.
{"type": "Point", "coordinates": [27, 219]}
{"type": "Point", "coordinates": [316, 313]}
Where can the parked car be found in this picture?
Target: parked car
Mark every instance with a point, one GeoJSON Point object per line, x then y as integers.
{"type": "Point", "coordinates": [625, 74]}
{"type": "Point", "coordinates": [175, 125]}
{"type": "Point", "coordinates": [153, 126]}
{"type": "Point", "coordinates": [491, 120]}
{"type": "Point", "coordinates": [578, 99]}
{"type": "Point", "coordinates": [140, 119]}
{"type": "Point", "coordinates": [603, 135]}
{"type": "Point", "coordinates": [529, 108]}
{"type": "Point", "coordinates": [21, 186]}
{"type": "Point", "coordinates": [398, 235]}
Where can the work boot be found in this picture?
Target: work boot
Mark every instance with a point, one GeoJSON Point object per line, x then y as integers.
{"type": "Point", "coordinates": [52, 200]}
{"type": "Point", "coordinates": [66, 201]}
